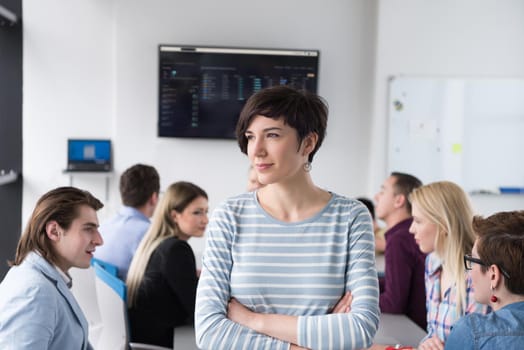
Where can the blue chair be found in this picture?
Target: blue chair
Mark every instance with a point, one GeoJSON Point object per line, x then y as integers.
{"type": "Point", "coordinates": [112, 269]}
{"type": "Point", "coordinates": [112, 295]}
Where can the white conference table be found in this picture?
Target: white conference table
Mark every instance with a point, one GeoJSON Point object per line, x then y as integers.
{"type": "Point", "coordinates": [184, 338]}
{"type": "Point", "coordinates": [392, 329]}
{"type": "Point", "coordinates": [398, 329]}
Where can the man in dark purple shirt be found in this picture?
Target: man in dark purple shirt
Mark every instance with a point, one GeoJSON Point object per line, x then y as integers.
{"type": "Point", "coordinates": [402, 289]}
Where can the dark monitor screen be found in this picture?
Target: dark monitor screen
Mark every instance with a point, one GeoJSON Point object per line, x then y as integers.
{"type": "Point", "coordinates": [203, 89]}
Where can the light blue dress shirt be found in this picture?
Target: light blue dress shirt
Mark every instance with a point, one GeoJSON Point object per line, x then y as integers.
{"type": "Point", "coordinates": [38, 311]}
{"type": "Point", "coordinates": [501, 329]}
{"type": "Point", "coordinates": [122, 235]}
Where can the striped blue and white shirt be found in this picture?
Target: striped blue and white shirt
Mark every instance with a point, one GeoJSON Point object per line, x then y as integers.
{"type": "Point", "coordinates": [300, 268]}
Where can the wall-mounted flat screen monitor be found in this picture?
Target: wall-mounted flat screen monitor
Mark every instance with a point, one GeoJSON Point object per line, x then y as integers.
{"type": "Point", "coordinates": [203, 89]}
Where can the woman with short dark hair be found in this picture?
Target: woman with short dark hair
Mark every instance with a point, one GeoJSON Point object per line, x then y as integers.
{"type": "Point", "coordinates": [281, 261]}
{"type": "Point", "coordinates": [497, 270]}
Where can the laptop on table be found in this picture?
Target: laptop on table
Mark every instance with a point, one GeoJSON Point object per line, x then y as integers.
{"type": "Point", "coordinates": [89, 155]}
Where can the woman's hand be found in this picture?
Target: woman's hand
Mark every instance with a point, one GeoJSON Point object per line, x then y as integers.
{"type": "Point", "coordinates": [238, 313]}
{"type": "Point", "coordinates": [433, 343]}
{"type": "Point", "coordinates": [343, 305]}
{"type": "Point", "coordinates": [283, 327]}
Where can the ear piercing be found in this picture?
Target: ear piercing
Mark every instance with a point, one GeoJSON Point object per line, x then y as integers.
{"type": "Point", "coordinates": [493, 298]}
{"type": "Point", "coordinates": [307, 166]}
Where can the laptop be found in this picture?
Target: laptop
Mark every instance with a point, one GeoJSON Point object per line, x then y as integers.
{"type": "Point", "coordinates": [88, 155]}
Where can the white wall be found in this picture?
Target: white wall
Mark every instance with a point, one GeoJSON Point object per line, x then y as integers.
{"type": "Point", "coordinates": [447, 38]}
{"type": "Point", "coordinates": [67, 88]}
{"type": "Point", "coordinates": [91, 71]}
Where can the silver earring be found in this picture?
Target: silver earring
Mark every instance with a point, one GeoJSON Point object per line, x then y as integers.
{"type": "Point", "coordinates": [307, 167]}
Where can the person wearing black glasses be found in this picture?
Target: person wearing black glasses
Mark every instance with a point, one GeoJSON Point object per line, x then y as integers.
{"type": "Point", "coordinates": [497, 270]}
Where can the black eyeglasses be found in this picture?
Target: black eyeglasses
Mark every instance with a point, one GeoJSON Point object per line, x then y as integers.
{"type": "Point", "coordinates": [469, 260]}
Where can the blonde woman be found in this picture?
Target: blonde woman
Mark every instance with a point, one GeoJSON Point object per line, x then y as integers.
{"type": "Point", "coordinates": [442, 217]}
{"type": "Point", "coordinates": [162, 278]}
{"type": "Point", "coordinates": [252, 180]}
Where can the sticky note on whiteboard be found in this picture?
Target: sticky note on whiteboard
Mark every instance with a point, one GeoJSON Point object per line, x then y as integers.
{"type": "Point", "coordinates": [456, 148]}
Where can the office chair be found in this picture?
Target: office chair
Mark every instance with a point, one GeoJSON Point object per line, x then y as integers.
{"type": "Point", "coordinates": [112, 294]}
{"type": "Point", "coordinates": [112, 269]}
{"type": "Point", "coordinates": [84, 291]}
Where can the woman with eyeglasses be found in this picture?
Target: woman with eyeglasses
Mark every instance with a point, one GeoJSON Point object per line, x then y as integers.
{"type": "Point", "coordinates": [442, 227]}
{"type": "Point", "coordinates": [497, 271]}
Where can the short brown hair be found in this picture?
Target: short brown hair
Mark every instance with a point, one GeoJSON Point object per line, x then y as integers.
{"type": "Point", "coordinates": [60, 205]}
{"type": "Point", "coordinates": [137, 184]}
{"type": "Point", "coordinates": [304, 111]}
{"type": "Point", "coordinates": [405, 184]}
{"type": "Point", "coordinates": [501, 242]}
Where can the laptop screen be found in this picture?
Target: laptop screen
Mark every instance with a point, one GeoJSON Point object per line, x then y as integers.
{"type": "Point", "coordinates": [89, 155]}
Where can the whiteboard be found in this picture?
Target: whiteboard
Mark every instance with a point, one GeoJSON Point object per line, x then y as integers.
{"type": "Point", "coordinates": [469, 131]}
